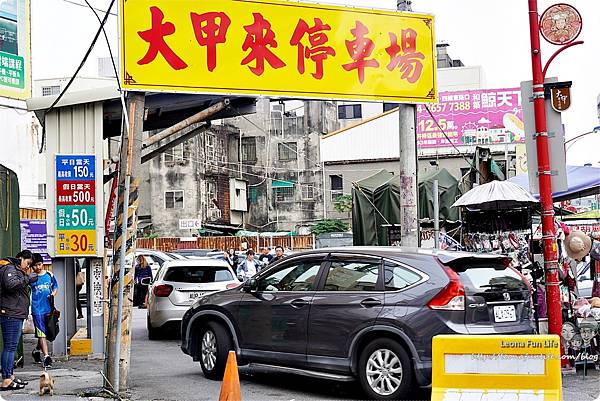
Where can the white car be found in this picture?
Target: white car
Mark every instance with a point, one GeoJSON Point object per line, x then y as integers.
{"type": "Point", "coordinates": [178, 284]}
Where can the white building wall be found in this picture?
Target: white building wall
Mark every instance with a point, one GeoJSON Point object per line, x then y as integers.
{"type": "Point", "coordinates": [21, 134]}
{"type": "Point", "coordinates": [79, 84]}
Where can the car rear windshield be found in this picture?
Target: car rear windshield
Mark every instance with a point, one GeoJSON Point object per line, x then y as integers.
{"type": "Point", "coordinates": [198, 274]}
{"type": "Point", "coordinates": [482, 277]}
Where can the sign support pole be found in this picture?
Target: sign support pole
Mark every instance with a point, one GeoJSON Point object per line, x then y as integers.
{"type": "Point", "coordinates": [119, 333]}
{"type": "Point", "coordinates": [407, 113]}
{"type": "Point", "coordinates": [545, 177]}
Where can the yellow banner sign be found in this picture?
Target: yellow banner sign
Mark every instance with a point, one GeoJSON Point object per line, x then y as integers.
{"type": "Point", "coordinates": [277, 48]}
{"type": "Point", "coordinates": [75, 242]}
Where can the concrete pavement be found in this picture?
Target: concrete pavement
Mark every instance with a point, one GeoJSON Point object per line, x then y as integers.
{"type": "Point", "coordinates": [161, 372]}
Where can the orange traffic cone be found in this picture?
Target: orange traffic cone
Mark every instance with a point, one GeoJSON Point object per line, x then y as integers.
{"type": "Point", "coordinates": [230, 388]}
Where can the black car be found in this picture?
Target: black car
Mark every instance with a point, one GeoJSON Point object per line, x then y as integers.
{"type": "Point", "coordinates": [366, 313]}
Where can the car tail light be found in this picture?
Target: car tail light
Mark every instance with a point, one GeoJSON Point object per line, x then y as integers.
{"type": "Point", "coordinates": [231, 286]}
{"type": "Point", "coordinates": [452, 297]}
{"type": "Point", "coordinates": [163, 290]}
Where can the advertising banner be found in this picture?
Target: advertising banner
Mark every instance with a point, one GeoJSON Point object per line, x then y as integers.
{"type": "Point", "coordinates": [75, 205]}
{"type": "Point", "coordinates": [473, 117]}
{"type": "Point", "coordinates": [15, 49]}
{"type": "Point", "coordinates": [277, 48]}
{"type": "Point", "coordinates": [34, 237]}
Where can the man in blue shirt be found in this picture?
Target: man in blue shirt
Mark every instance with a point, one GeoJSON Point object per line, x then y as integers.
{"type": "Point", "coordinates": [41, 290]}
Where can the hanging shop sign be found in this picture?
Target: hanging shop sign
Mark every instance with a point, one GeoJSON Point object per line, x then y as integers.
{"type": "Point", "coordinates": [560, 95]}
{"type": "Point", "coordinates": [15, 49]}
{"type": "Point", "coordinates": [277, 48]}
{"type": "Point", "coordinates": [75, 205]}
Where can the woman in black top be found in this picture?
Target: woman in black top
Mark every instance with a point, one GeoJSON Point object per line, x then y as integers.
{"type": "Point", "coordinates": [14, 309]}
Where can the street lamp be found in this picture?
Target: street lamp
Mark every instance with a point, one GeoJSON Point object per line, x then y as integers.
{"type": "Point", "coordinates": [595, 130]}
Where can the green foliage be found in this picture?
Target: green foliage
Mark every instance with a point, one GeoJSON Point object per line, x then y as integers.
{"type": "Point", "coordinates": [343, 203]}
{"type": "Point", "coordinates": [329, 226]}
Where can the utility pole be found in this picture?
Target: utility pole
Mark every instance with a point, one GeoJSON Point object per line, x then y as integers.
{"type": "Point", "coordinates": [407, 114]}
{"type": "Point", "coordinates": [119, 328]}
{"type": "Point", "coordinates": [545, 177]}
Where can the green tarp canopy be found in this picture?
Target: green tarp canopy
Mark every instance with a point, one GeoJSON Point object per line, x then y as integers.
{"type": "Point", "coordinates": [10, 226]}
{"type": "Point", "coordinates": [376, 203]}
{"type": "Point", "coordinates": [449, 193]}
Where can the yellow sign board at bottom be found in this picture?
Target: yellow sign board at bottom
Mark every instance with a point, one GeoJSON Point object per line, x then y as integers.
{"type": "Point", "coordinates": [75, 242]}
{"type": "Point", "coordinates": [494, 368]}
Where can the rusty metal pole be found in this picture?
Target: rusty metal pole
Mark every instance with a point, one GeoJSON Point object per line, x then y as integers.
{"type": "Point", "coordinates": [545, 177]}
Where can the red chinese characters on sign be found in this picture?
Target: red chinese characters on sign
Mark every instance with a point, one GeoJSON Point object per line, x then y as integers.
{"type": "Point", "coordinates": [75, 193]}
{"type": "Point", "coordinates": [155, 36]}
{"type": "Point", "coordinates": [210, 30]}
{"type": "Point", "coordinates": [360, 49]}
{"type": "Point", "coordinates": [259, 38]}
{"type": "Point", "coordinates": [316, 49]}
{"type": "Point", "coordinates": [405, 56]}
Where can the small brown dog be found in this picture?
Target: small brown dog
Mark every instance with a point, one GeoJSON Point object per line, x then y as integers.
{"type": "Point", "coordinates": [46, 384]}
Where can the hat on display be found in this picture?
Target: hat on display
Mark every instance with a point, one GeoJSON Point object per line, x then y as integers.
{"type": "Point", "coordinates": [578, 244]}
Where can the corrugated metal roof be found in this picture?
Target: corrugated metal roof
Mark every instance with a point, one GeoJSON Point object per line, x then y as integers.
{"type": "Point", "coordinates": [376, 138]}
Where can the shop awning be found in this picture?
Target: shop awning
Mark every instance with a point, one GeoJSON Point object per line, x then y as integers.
{"type": "Point", "coordinates": [283, 184]}
{"type": "Point", "coordinates": [583, 181]}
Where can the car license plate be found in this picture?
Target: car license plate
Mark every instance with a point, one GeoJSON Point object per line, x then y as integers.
{"type": "Point", "coordinates": [505, 313]}
{"type": "Point", "coordinates": [195, 295]}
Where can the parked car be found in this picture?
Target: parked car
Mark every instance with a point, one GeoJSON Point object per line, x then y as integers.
{"type": "Point", "coordinates": [366, 313]}
{"type": "Point", "coordinates": [178, 284]}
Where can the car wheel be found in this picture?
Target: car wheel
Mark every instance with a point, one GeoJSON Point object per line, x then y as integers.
{"type": "Point", "coordinates": [153, 333]}
{"type": "Point", "coordinates": [215, 344]}
{"type": "Point", "coordinates": [385, 371]}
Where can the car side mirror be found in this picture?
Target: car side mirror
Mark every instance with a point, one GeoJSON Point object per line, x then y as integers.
{"type": "Point", "coordinates": [146, 281]}
{"type": "Point", "coordinates": [250, 285]}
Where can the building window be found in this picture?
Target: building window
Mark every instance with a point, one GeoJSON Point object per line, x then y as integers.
{"type": "Point", "coordinates": [249, 149]}
{"type": "Point", "coordinates": [288, 151]}
{"type": "Point", "coordinates": [209, 145]}
{"type": "Point", "coordinates": [337, 186]}
{"type": "Point", "coordinates": [283, 194]}
{"type": "Point", "coordinates": [252, 195]}
{"type": "Point", "coordinates": [211, 194]}
{"type": "Point", "coordinates": [50, 90]}
{"type": "Point", "coordinates": [308, 191]}
{"type": "Point", "coordinates": [337, 183]}
{"type": "Point", "coordinates": [42, 191]}
{"type": "Point", "coordinates": [349, 111]}
{"type": "Point", "coordinates": [176, 154]}
{"type": "Point", "coordinates": [174, 200]}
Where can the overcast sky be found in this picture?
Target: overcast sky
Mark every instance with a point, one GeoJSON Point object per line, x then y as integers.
{"type": "Point", "coordinates": [490, 33]}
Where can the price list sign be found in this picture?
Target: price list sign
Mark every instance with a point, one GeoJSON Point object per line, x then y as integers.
{"type": "Point", "coordinates": [75, 205]}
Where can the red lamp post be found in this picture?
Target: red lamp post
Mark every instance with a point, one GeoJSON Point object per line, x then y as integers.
{"type": "Point", "coordinates": [544, 171]}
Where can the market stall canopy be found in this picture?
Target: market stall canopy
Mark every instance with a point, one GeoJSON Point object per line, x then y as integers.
{"type": "Point", "coordinates": [449, 191]}
{"type": "Point", "coordinates": [496, 195]}
{"type": "Point", "coordinates": [375, 203]}
{"type": "Point", "coordinates": [583, 181]}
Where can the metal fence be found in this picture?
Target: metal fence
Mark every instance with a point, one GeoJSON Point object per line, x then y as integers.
{"type": "Point", "coordinates": [224, 243]}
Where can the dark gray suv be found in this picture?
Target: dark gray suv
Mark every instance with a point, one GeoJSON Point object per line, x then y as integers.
{"type": "Point", "coordinates": [365, 313]}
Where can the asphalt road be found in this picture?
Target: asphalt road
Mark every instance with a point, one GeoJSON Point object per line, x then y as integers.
{"type": "Point", "coordinates": [160, 371]}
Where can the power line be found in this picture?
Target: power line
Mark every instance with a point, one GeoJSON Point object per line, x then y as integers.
{"type": "Point", "coordinates": [450, 142]}
{"type": "Point", "coordinates": [112, 58]}
{"type": "Point", "coordinates": [83, 5]}
{"type": "Point", "coordinates": [83, 61]}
